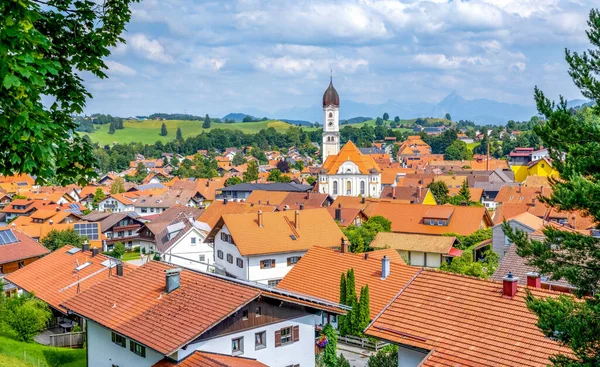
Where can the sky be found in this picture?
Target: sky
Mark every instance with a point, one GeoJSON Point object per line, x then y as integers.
{"type": "Point", "coordinates": [198, 57]}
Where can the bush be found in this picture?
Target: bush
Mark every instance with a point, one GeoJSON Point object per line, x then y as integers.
{"type": "Point", "coordinates": [24, 315]}
{"type": "Point", "coordinates": [386, 357]}
{"type": "Point", "coordinates": [118, 250]}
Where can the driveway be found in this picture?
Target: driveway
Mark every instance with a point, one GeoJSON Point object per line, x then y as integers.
{"type": "Point", "coordinates": [356, 356]}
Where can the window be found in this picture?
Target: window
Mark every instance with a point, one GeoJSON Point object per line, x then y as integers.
{"type": "Point", "coordinates": [293, 260]}
{"type": "Point", "coordinates": [260, 340]}
{"type": "Point", "coordinates": [335, 188]}
{"type": "Point", "coordinates": [245, 315]}
{"type": "Point", "coordinates": [118, 340]}
{"type": "Point", "coordinates": [440, 223]}
{"type": "Point", "coordinates": [286, 335]}
{"type": "Point", "coordinates": [138, 349]}
{"type": "Point", "coordinates": [362, 187]}
{"type": "Point", "coordinates": [202, 258]}
{"type": "Point", "coordinates": [258, 312]}
{"type": "Point", "coordinates": [237, 346]}
{"type": "Point", "coordinates": [130, 233]}
{"type": "Point", "coordinates": [230, 258]}
{"type": "Point", "coordinates": [273, 283]}
{"type": "Point", "coordinates": [151, 210]}
{"type": "Point", "coordinates": [121, 234]}
{"type": "Point", "coordinates": [267, 264]}
{"type": "Point", "coordinates": [220, 254]}
{"type": "Point", "coordinates": [239, 262]}
{"type": "Point", "coordinates": [193, 239]}
{"type": "Point", "coordinates": [21, 264]}
{"type": "Point", "coordinates": [348, 188]}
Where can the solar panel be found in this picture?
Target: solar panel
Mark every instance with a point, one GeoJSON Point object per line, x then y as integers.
{"type": "Point", "coordinates": [89, 230]}
{"type": "Point", "coordinates": [74, 250]}
{"type": "Point", "coordinates": [74, 206]}
{"type": "Point", "coordinates": [109, 263]}
{"type": "Point", "coordinates": [7, 237]}
{"type": "Point", "coordinates": [21, 183]}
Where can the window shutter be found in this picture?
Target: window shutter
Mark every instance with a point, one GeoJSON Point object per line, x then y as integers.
{"type": "Point", "coordinates": [113, 337]}
{"type": "Point", "coordinates": [289, 261]}
{"type": "Point", "coordinates": [262, 264]}
{"type": "Point", "coordinates": [277, 338]}
{"type": "Point", "coordinates": [144, 352]}
{"type": "Point", "coordinates": [296, 333]}
{"type": "Point", "coordinates": [131, 347]}
{"type": "Point", "coordinates": [273, 263]}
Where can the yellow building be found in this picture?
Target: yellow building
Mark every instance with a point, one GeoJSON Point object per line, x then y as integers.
{"type": "Point", "coordinates": [541, 167]}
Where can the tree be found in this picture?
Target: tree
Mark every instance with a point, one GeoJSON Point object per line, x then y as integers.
{"type": "Point", "coordinates": [352, 301]}
{"type": "Point", "coordinates": [565, 254]}
{"type": "Point", "coordinates": [440, 192]}
{"type": "Point", "coordinates": [238, 159]}
{"type": "Point", "coordinates": [47, 46]}
{"type": "Point", "coordinates": [386, 116]}
{"type": "Point", "coordinates": [448, 117]}
{"type": "Point", "coordinates": [396, 119]}
{"type": "Point", "coordinates": [179, 134]}
{"type": "Point", "coordinates": [379, 121]}
{"type": "Point", "coordinates": [163, 130]}
{"type": "Point", "coordinates": [342, 328]}
{"type": "Point", "coordinates": [274, 175]}
{"type": "Point", "coordinates": [111, 129]}
{"type": "Point", "coordinates": [458, 150]}
{"type": "Point", "coordinates": [99, 195]}
{"type": "Point", "coordinates": [464, 192]}
{"type": "Point", "coordinates": [364, 313]}
{"type": "Point", "coordinates": [117, 187]}
{"type": "Point", "coordinates": [466, 265]}
{"type": "Point", "coordinates": [206, 123]}
{"type": "Point", "coordinates": [386, 357]}
{"type": "Point", "coordinates": [330, 352]}
{"type": "Point", "coordinates": [141, 171]}
{"type": "Point", "coordinates": [24, 315]}
{"type": "Point", "coordinates": [118, 250]}
{"type": "Point", "coordinates": [233, 181]}
{"type": "Point", "coordinates": [57, 239]}
{"type": "Point", "coordinates": [361, 237]}
{"type": "Point", "coordinates": [310, 180]}
{"type": "Point", "coordinates": [283, 166]}
{"type": "Point", "coordinates": [251, 173]}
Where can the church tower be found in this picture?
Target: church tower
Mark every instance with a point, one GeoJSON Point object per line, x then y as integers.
{"type": "Point", "coordinates": [331, 127]}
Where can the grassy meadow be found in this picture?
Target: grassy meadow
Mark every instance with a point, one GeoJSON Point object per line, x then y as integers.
{"type": "Point", "coordinates": [19, 354]}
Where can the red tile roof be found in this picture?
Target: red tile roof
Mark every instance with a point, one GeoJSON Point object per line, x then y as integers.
{"type": "Point", "coordinates": [465, 321]}
{"type": "Point", "coordinates": [25, 248]}
{"type": "Point", "coordinates": [318, 274]}
{"type": "Point", "coordinates": [206, 359]}
{"type": "Point", "coordinates": [215, 210]}
{"type": "Point", "coordinates": [53, 278]}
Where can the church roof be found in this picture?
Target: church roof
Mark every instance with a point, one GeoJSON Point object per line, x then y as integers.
{"type": "Point", "coordinates": [331, 97]}
{"type": "Point", "coordinates": [349, 152]}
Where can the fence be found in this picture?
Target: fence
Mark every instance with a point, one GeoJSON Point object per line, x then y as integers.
{"type": "Point", "coordinates": [364, 343]}
{"type": "Point", "coordinates": [71, 340]}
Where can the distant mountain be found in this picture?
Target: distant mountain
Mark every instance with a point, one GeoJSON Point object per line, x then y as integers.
{"type": "Point", "coordinates": [298, 122]}
{"type": "Point", "coordinates": [483, 111]}
{"type": "Point", "coordinates": [237, 117]}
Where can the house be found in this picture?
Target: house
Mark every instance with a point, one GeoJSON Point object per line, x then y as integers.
{"type": "Point", "coordinates": [18, 207]}
{"type": "Point", "coordinates": [182, 243]}
{"type": "Point", "coordinates": [204, 189]}
{"type": "Point", "coordinates": [446, 319]}
{"type": "Point", "coordinates": [116, 203]}
{"type": "Point", "coordinates": [174, 313]}
{"type": "Point", "coordinates": [524, 222]}
{"type": "Point", "coordinates": [211, 359]}
{"type": "Point", "coordinates": [65, 273]}
{"type": "Point", "coordinates": [527, 162]}
{"type": "Point", "coordinates": [350, 173]}
{"type": "Point", "coordinates": [17, 250]}
{"type": "Point", "coordinates": [216, 210]}
{"type": "Point", "coordinates": [383, 271]}
{"type": "Point", "coordinates": [290, 200]}
{"type": "Point", "coordinates": [347, 216]}
{"type": "Point", "coordinates": [263, 247]}
{"type": "Point", "coordinates": [242, 191]}
{"type": "Point", "coordinates": [520, 194]}
{"type": "Point", "coordinates": [154, 204]}
{"type": "Point", "coordinates": [431, 220]}
{"type": "Point", "coordinates": [420, 250]}
{"type": "Point", "coordinates": [118, 227]}
{"type": "Point", "coordinates": [409, 195]}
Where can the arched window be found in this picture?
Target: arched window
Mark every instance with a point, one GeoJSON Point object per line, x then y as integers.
{"type": "Point", "coordinates": [348, 188]}
{"type": "Point", "coordinates": [335, 189]}
{"type": "Point", "coordinates": [330, 114]}
{"type": "Point", "coordinates": [362, 187]}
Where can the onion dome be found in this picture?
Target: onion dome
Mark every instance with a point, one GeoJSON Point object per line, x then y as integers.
{"type": "Point", "coordinates": [331, 97]}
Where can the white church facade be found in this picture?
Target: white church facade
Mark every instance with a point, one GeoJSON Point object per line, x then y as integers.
{"type": "Point", "coordinates": [345, 171]}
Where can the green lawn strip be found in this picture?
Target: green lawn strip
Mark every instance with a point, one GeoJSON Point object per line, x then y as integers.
{"type": "Point", "coordinates": [32, 352]}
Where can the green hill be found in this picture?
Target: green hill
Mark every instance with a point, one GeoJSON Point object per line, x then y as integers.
{"type": "Point", "coordinates": [147, 131]}
{"type": "Point", "coordinates": [407, 123]}
{"type": "Point", "coordinates": [19, 354]}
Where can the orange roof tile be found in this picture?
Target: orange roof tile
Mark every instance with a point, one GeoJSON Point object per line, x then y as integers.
{"type": "Point", "coordinates": [54, 280]}
{"type": "Point", "coordinates": [213, 213]}
{"type": "Point", "coordinates": [206, 359]}
{"type": "Point", "coordinates": [280, 232]}
{"type": "Point", "coordinates": [350, 152]}
{"type": "Point", "coordinates": [520, 194]}
{"type": "Point", "coordinates": [465, 321]}
{"type": "Point", "coordinates": [266, 197]}
{"type": "Point", "coordinates": [318, 274]}
{"type": "Point", "coordinates": [24, 248]}
{"type": "Point", "coordinates": [414, 242]}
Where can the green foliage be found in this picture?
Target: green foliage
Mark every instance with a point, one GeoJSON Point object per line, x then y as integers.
{"type": "Point", "coordinates": [464, 193]}
{"type": "Point", "coordinates": [117, 187]}
{"type": "Point", "coordinates": [364, 309]}
{"type": "Point", "coordinates": [310, 180]}
{"type": "Point", "coordinates": [251, 173]}
{"type": "Point", "coordinates": [342, 361]}
{"type": "Point", "coordinates": [99, 195]}
{"type": "Point", "coordinates": [458, 150]}
{"type": "Point", "coordinates": [118, 250]}
{"type": "Point", "coordinates": [12, 354]}
{"type": "Point", "coordinates": [238, 159]}
{"type": "Point", "coordinates": [233, 181]}
{"type": "Point", "coordinates": [44, 51]}
{"type": "Point", "coordinates": [179, 134]}
{"type": "Point", "coordinates": [200, 167]}
{"type": "Point", "coordinates": [448, 117]}
{"type": "Point", "coordinates": [57, 239]}
{"type": "Point", "coordinates": [330, 352]}
{"type": "Point", "coordinates": [386, 357]}
{"type": "Point", "coordinates": [163, 130]}
{"type": "Point", "coordinates": [386, 116]}
{"type": "Point", "coordinates": [440, 192]}
{"type": "Point", "coordinates": [357, 319]}
{"type": "Point", "coordinates": [361, 237]}
{"type": "Point", "coordinates": [396, 119]}
{"type": "Point", "coordinates": [24, 315]}
{"type": "Point", "coordinates": [466, 265]}
{"type": "Point", "coordinates": [275, 175]}
{"type": "Point", "coordinates": [206, 123]}
{"type": "Point", "coordinates": [342, 319]}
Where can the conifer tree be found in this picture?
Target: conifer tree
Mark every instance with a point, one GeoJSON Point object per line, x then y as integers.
{"type": "Point", "coordinates": [464, 192]}
{"type": "Point", "coordinates": [352, 301]}
{"type": "Point", "coordinates": [342, 318]}
{"type": "Point", "coordinates": [179, 135]}
{"type": "Point", "coordinates": [163, 130]}
{"type": "Point", "coordinates": [364, 309]}
{"type": "Point", "coordinates": [206, 123]}
{"type": "Point", "coordinates": [251, 173]}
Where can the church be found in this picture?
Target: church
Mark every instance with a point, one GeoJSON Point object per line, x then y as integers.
{"type": "Point", "coordinates": [346, 171]}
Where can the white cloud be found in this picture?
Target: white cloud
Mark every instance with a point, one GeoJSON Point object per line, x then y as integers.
{"type": "Point", "coordinates": [441, 61]}
{"type": "Point", "coordinates": [150, 49]}
{"type": "Point", "coordinates": [205, 63]}
{"type": "Point", "coordinates": [119, 69]}
{"type": "Point", "coordinates": [290, 65]}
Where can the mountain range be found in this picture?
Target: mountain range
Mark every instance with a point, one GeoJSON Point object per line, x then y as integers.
{"type": "Point", "coordinates": [481, 110]}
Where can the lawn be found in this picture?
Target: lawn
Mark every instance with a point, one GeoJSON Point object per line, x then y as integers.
{"type": "Point", "coordinates": [147, 131]}
{"type": "Point", "coordinates": [472, 145]}
{"type": "Point", "coordinates": [133, 255]}
{"type": "Point", "coordinates": [19, 354]}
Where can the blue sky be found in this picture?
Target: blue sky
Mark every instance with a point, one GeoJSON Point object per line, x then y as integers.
{"type": "Point", "coordinates": [225, 56]}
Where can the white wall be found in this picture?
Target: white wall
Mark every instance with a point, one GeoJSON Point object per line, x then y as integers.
{"type": "Point", "coordinates": [228, 248]}
{"type": "Point", "coordinates": [371, 189]}
{"type": "Point", "coordinates": [184, 248]}
{"type": "Point", "coordinates": [302, 352]}
{"type": "Point", "coordinates": [102, 352]}
{"type": "Point", "coordinates": [115, 206]}
{"type": "Point", "coordinates": [408, 357]}
{"type": "Point", "coordinates": [280, 270]}
{"type": "Point", "coordinates": [149, 211]}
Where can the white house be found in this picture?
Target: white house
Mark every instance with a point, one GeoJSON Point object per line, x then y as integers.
{"type": "Point", "coordinates": [116, 203]}
{"type": "Point", "coordinates": [263, 247]}
{"type": "Point", "coordinates": [182, 313]}
{"type": "Point", "coordinates": [525, 222]}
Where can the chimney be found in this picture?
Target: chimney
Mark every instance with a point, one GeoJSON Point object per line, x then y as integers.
{"type": "Point", "coordinates": [260, 219]}
{"type": "Point", "coordinates": [338, 213]}
{"type": "Point", "coordinates": [509, 286]}
{"type": "Point", "coordinates": [301, 206]}
{"type": "Point", "coordinates": [297, 219]}
{"type": "Point", "coordinates": [362, 201]}
{"type": "Point", "coordinates": [520, 190]}
{"type": "Point", "coordinates": [120, 269]}
{"type": "Point", "coordinates": [344, 247]}
{"type": "Point", "coordinates": [394, 192]}
{"type": "Point", "coordinates": [173, 279]}
{"type": "Point", "coordinates": [534, 280]}
{"type": "Point", "coordinates": [225, 201]}
{"type": "Point", "coordinates": [58, 208]}
{"type": "Point", "coordinates": [542, 190]}
{"type": "Point", "coordinates": [308, 195]}
{"type": "Point", "coordinates": [419, 195]}
{"type": "Point", "coordinates": [95, 251]}
{"type": "Point", "coordinates": [366, 256]}
{"type": "Point", "coordinates": [51, 222]}
{"type": "Point", "coordinates": [85, 246]}
{"type": "Point", "coordinates": [385, 267]}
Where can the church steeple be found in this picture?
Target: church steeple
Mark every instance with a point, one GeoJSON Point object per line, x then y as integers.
{"type": "Point", "coordinates": [331, 132]}
{"type": "Point", "coordinates": [331, 97]}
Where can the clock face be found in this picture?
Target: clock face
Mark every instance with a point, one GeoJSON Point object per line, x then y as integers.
{"type": "Point", "coordinates": [330, 123]}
